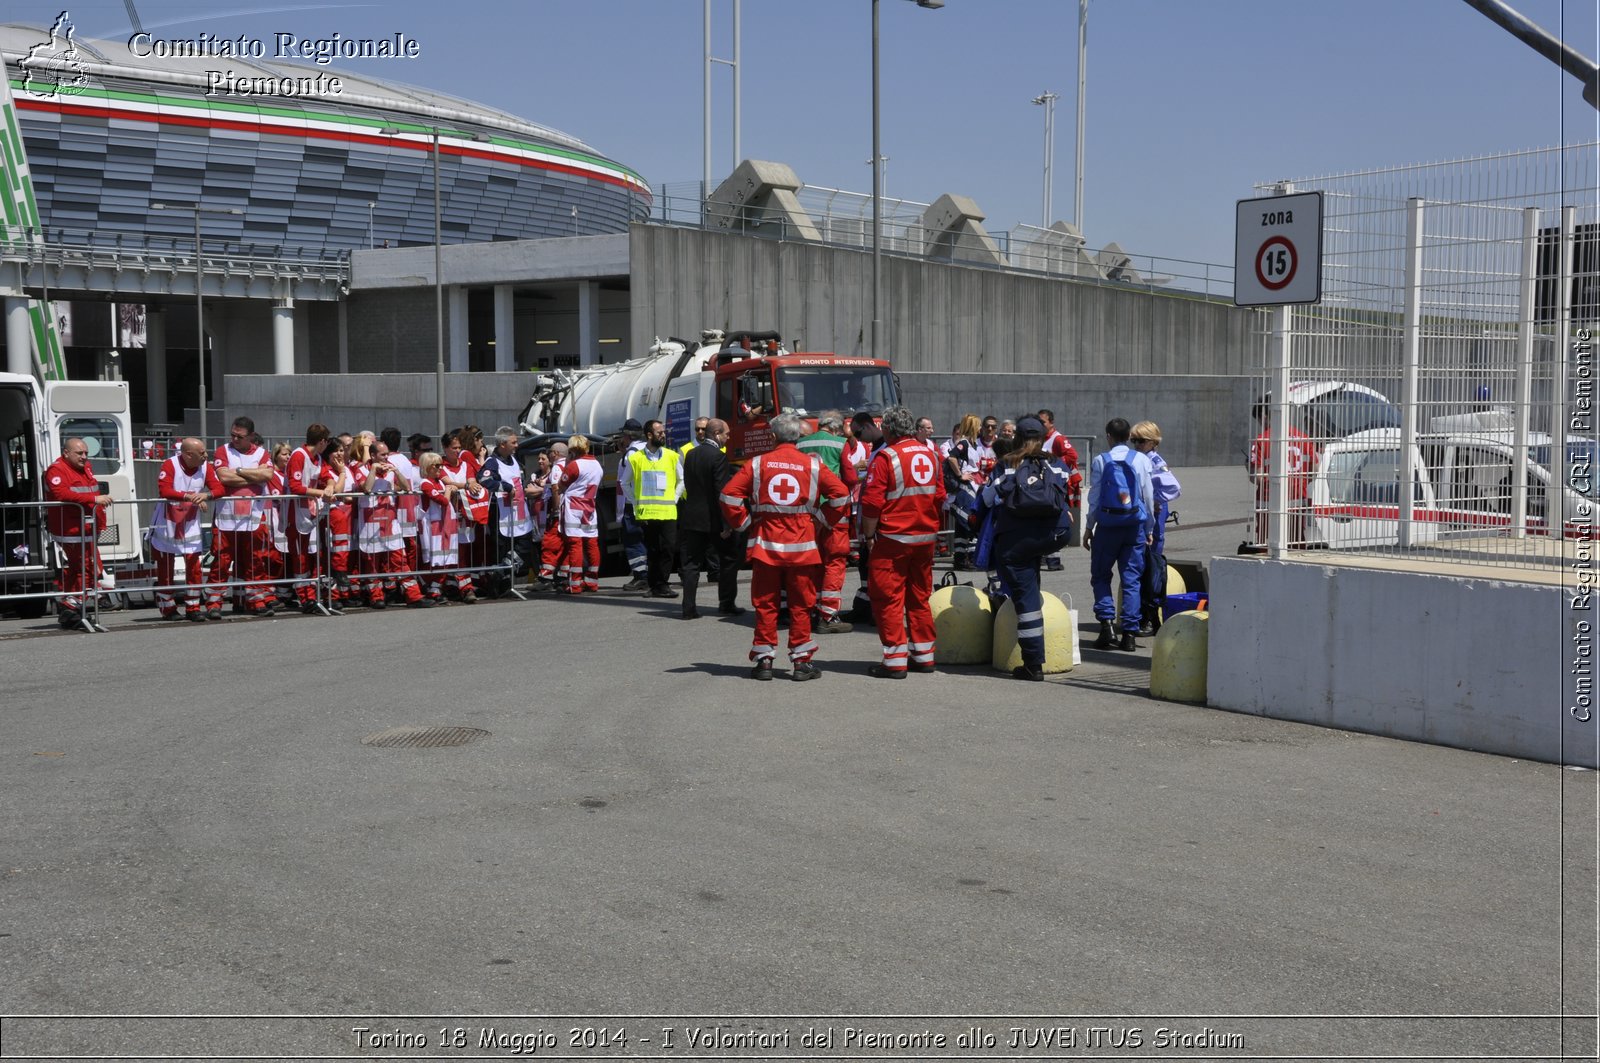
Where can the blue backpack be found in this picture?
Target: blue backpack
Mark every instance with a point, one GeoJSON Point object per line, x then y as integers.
{"type": "Point", "coordinates": [1116, 498]}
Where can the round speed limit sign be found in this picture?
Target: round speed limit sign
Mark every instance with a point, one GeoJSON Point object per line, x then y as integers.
{"type": "Point", "coordinates": [1276, 263]}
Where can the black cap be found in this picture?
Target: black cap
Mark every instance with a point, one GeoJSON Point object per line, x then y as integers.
{"type": "Point", "coordinates": [632, 425]}
{"type": "Point", "coordinates": [1030, 428]}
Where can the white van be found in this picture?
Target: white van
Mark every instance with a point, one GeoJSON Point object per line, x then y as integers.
{"type": "Point", "coordinates": [34, 421]}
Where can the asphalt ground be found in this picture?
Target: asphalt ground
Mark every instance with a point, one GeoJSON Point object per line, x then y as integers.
{"type": "Point", "coordinates": [194, 827]}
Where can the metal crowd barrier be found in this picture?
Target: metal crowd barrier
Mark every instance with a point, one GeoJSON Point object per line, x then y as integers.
{"type": "Point", "coordinates": [31, 570]}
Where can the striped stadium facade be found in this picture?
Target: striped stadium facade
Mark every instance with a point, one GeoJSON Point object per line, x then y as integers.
{"type": "Point", "coordinates": [332, 172]}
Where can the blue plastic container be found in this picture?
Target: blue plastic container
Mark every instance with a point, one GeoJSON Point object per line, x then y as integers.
{"type": "Point", "coordinates": [1182, 603]}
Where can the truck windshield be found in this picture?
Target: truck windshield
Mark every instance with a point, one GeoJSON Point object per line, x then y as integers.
{"type": "Point", "coordinates": [809, 390]}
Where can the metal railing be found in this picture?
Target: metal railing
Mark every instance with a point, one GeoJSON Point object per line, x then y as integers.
{"type": "Point", "coordinates": [844, 219]}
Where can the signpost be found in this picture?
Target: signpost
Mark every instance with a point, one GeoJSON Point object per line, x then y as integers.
{"type": "Point", "coordinates": [1277, 262]}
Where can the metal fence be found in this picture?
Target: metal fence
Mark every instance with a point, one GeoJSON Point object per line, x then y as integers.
{"type": "Point", "coordinates": [1440, 395]}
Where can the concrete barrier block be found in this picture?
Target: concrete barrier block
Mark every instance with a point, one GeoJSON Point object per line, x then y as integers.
{"type": "Point", "coordinates": [1178, 659]}
{"type": "Point", "coordinates": [963, 621]}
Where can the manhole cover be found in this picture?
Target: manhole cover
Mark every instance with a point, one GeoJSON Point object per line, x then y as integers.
{"type": "Point", "coordinates": [424, 737]}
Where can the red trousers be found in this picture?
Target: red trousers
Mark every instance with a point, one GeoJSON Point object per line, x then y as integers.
{"type": "Point", "coordinates": [78, 574]}
{"type": "Point", "coordinates": [166, 570]}
{"type": "Point", "coordinates": [381, 563]}
{"type": "Point", "coordinates": [767, 584]}
{"type": "Point", "coordinates": [900, 581]}
{"type": "Point", "coordinates": [835, 548]}
{"type": "Point", "coordinates": [239, 557]}
{"type": "Point", "coordinates": [552, 553]}
{"type": "Point", "coordinates": [301, 563]}
{"type": "Point", "coordinates": [583, 565]}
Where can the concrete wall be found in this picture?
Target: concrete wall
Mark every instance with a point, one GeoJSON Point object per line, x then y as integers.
{"type": "Point", "coordinates": [282, 406]}
{"type": "Point", "coordinates": [1466, 662]}
{"type": "Point", "coordinates": [936, 317]}
{"type": "Point", "coordinates": [1205, 420]}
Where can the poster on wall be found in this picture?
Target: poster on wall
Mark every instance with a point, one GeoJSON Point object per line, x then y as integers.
{"type": "Point", "coordinates": [130, 325]}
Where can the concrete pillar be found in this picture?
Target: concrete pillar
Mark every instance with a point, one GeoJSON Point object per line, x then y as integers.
{"type": "Point", "coordinates": [155, 364]}
{"type": "Point", "coordinates": [505, 329]}
{"type": "Point", "coordinates": [344, 338]}
{"type": "Point", "coordinates": [302, 344]}
{"type": "Point", "coordinates": [19, 336]}
{"type": "Point", "coordinates": [456, 342]}
{"type": "Point", "coordinates": [283, 337]}
{"type": "Point", "coordinates": [588, 323]}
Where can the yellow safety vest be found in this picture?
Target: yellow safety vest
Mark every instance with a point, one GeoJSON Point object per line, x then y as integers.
{"type": "Point", "coordinates": [655, 484]}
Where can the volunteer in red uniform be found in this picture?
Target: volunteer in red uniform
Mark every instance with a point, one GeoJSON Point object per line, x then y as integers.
{"type": "Point", "coordinates": [243, 468]}
{"type": "Point", "coordinates": [1057, 446]}
{"type": "Point", "coordinates": [187, 483]}
{"type": "Point", "coordinates": [1300, 461]}
{"type": "Point", "coordinates": [901, 509]}
{"type": "Point", "coordinates": [786, 501]}
{"type": "Point", "coordinates": [380, 550]}
{"type": "Point", "coordinates": [461, 465]}
{"type": "Point", "coordinates": [304, 478]}
{"type": "Point", "coordinates": [553, 548]}
{"type": "Point", "coordinates": [580, 517]}
{"type": "Point", "coordinates": [439, 540]}
{"type": "Point", "coordinates": [75, 526]}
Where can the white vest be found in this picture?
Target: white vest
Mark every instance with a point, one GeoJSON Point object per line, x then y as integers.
{"type": "Point", "coordinates": [379, 529]}
{"type": "Point", "coordinates": [440, 533]}
{"type": "Point", "coordinates": [240, 512]}
{"type": "Point", "coordinates": [515, 519]}
{"type": "Point", "coordinates": [178, 536]}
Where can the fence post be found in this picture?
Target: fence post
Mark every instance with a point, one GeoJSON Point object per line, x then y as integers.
{"type": "Point", "coordinates": [1411, 359]}
{"type": "Point", "coordinates": [1278, 440]}
{"type": "Point", "coordinates": [1560, 461]}
{"type": "Point", "coordinates": [1523, 397]}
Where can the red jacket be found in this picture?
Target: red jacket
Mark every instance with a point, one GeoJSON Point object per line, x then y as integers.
{"type": "Point", "coordinates": [63, 483]}
{"type": "Point", "coordinates": [782, 496]}
{"type": "Point", "coordinates": [905, 492]}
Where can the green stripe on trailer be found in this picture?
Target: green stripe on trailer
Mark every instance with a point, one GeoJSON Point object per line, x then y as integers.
{"type": "Point", "coordinates": [46, 340]}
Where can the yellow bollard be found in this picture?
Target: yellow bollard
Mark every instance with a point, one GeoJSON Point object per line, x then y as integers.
{"type": "Point", "coordinates": [963, 624]}
{"type": "Point", "coordinates": [1178, 660]}
{"type": "Point", "coordinates": [1060, 637]}
{"type": "Point", "coordinates": [1175, 584]}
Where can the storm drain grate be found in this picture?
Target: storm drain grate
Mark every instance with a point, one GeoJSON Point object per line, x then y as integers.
{"type": "Point", "coordinates": [413, 737]}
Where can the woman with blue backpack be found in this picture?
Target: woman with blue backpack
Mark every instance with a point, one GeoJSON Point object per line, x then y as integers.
{"type": "Point", "coordinates": [1119, 526]}
{"type": "Point", "coordinates": [1023, 515]}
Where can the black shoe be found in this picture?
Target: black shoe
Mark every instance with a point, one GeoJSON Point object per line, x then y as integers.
{"type": "Point", "coordinates": [1052, 563]}
{"type": "Point", "coordinates": [923, 667]}
{"type": "Point", "coordinates": [1032, 675]}
{"type": "Point", "coordinates": [309, 608]}
{"type": "Point", "coordinates": [636, 584]}
{"type": "Point", "coordinates": [689, 614]}
{"type": "Point", "coordinates": [1127, 643]}
{"type": "Point", "coordinates": [804, 670]}
{"type": "Point", "coordinates": [378, 603]}
{"type": "Point", "coordinates": [198, 618]}
{"type": "Point", "coordinates": [1107, 639]}
{"type": "Point", "coordinates": [879, 671]}
{"type": "Point", "coordinates": [422, 603]}
{"type": "Point", "coordinates": [762, 671]}
{"type": "Point", "coordinates": [731, 610]}
{"type": "Point", "coordinates": [833, 627]}
{"type": "Point", "coordinates": [214, 613]}
{"type": "Point", "coordinates": [541, 586]}
{"type": "Point", "coordinates": [663, 592]}
{"type": "Point", "coordinates": [1148, 630]}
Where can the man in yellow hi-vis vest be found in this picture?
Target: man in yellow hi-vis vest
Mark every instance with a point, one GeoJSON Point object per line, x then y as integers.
{"type": "Point", "coordinates": [656, 475]}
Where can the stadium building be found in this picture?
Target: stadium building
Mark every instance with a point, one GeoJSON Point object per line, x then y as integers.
{"type": "Point", "coordinates": [295, 169]}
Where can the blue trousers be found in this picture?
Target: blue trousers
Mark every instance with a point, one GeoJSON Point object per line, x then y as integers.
{"type": "Point", "coordinates": [1123, 547]}
{"type": "Point", "coordinates": [633, 546]}
{"type": "Point", "coordinates": [1016, 557]}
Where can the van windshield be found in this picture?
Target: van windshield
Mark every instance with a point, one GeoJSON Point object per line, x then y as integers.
{"type": "Point", "coordinates": [100, 435]}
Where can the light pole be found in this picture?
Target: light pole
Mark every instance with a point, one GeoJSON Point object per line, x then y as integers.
{"type": "Point", "coordinates": [199, 294]}
{"type": "Point", "coordinates": [1048, 101]}
{"type": "Point", "coordinates": [438, 267]}
{"type": "Point", "coordinates": [877, 183]}
{"type": "Point", "coordinates": [370, 242]}
{"type": "Point", "coordinates": [1083, 40]}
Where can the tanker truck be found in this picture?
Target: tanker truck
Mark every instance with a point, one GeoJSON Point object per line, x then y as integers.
{"type": "Point", "coordinates": [744, 378]}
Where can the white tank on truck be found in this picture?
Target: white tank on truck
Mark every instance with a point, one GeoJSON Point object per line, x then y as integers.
{"type": "Point", "coordinates": [744, 378]}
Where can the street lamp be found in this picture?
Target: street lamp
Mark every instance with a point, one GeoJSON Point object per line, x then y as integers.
{"type": "Point", "coordinates": [1048, 101]}
{"type": "Point", "coordinates": [199, 293]}
{"type": "Point", "coordinates": [877, 182]}
{"type": "Point", "coordinates": [438, 264]}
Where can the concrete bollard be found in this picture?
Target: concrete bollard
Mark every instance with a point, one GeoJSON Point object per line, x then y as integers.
{"type": "Point", "coordinates": [963, 623]}
{"type": "Point", "coordinates": [1178, 660]}
{"type": "Point", "coordinates": [1060, 637]}
{"type": "Point", "coordinates": [1175, 584]}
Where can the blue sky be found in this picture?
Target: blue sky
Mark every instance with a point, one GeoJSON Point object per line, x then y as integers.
{"type": "Point", "coordinates": [1189, 102]}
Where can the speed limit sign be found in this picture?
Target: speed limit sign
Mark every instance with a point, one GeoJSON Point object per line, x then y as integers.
{"type": "Point", "coordinates": [1278, 250]}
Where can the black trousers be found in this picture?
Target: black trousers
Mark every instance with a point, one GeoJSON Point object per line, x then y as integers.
{"type": "Point", "coordinates": [661, 550]}
{"type": "Point", "coordinates": [717, 557]}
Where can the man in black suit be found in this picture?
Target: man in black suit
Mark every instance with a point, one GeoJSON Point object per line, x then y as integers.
{"type": "Point", "coordinates": [702, 532]}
